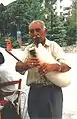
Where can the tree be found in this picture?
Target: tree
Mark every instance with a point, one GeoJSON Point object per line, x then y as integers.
{"type": "Point", "coordinates": [22, 12]}
{"type": "Point", "coordinates": [2, 8]}
{"type": "Point", "coordinates": [71, 25]}
{"type": "Point", "coordinates": [57, 31]}
{"type": "Point", "coordinates": [28, 11]}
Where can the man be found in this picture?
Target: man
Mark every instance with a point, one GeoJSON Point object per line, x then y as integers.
{"type": "Point", "coordinates": [45, 100]}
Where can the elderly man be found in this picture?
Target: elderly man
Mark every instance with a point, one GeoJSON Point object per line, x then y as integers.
{"type": "Point", "coordinates": [45, 99]}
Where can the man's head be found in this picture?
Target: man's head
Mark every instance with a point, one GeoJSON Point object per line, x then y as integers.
{"type": "Point", "coordinates": [37, 28]}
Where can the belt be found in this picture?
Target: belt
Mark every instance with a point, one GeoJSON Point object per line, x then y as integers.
{"type": "Point", "coordinates": [41, 85]}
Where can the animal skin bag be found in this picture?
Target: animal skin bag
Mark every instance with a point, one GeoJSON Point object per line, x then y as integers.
{"type": "Point", "coordinates": [61, 79]}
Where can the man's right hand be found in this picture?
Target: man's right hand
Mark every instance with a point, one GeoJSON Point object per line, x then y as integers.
{"type": "Point", "coordinates": [33, 62]}
{"type": "Point", "coordinates": [30, 63]}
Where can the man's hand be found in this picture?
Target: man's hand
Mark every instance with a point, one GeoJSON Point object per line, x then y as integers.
{"type": "Point", "coordinates": [45, 68]}
{"type": "Point", "coordinates": [32, 62]}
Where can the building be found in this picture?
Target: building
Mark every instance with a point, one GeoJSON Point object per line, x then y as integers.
{"type": "Point", "coordinates": [63, 7]}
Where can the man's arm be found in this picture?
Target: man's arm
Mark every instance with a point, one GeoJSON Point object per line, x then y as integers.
{"type": "Point", "coordinates": [30, 63]}
{"type": "Point", "coordinates": [45, 68]}
{"type": "Point", "coordinates": [61, 57]}
{"type": "Point", "coordinates": [20, 67]}
{"type": "Point", "coordinates": [64, 67]}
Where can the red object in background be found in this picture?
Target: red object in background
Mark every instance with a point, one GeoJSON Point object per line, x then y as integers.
{"type": "Point", "coordinates": [3, 102]}
{"type": "Point", "coordinates": [8, 45]}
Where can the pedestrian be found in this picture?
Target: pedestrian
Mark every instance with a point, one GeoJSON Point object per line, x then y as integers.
{"type": "Point", "coordinates": [7, 91]}
{"type": "Point", "coordinates": [45, 99]}
{"type": "Point", "coordinates": [6, 75]}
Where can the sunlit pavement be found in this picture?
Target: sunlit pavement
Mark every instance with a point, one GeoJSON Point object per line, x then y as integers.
{"type": "Point", "coordinates": [70, 92]}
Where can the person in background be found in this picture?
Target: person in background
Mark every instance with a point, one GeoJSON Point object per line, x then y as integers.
{"type": "Point", "coordinates": [45, 99]}
{"type": "Point", "coordinates": [8, 90]}
{"type": "Point", "coordinates": [6, 76]}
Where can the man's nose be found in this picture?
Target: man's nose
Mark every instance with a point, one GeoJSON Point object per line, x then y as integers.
{"type": "Point", "coordinates": [35, 33]}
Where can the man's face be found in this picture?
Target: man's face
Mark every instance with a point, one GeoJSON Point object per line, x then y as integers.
{"type": "Point", "coordinates": [37, 29]}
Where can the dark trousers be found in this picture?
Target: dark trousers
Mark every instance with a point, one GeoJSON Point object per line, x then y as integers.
{"type": "Point", "coordinates": [45, 102]}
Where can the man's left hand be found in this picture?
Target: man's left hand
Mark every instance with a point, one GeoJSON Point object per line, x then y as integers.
{"type": "Point", "coordinates": [45, 68]}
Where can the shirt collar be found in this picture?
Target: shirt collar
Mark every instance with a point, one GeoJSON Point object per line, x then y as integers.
{"type": "Point", "coordinates": [47, 43]}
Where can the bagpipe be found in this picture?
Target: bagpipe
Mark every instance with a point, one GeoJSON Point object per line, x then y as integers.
{"type": "Point", "coordinates": [61, 79]}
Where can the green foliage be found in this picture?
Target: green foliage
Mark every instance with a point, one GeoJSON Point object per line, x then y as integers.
{"type": "Point", "coordinates": [57, 30]}
{"type": "Point", "coordinates": [15, 44]}
{"type": "Point", "coordinates": [71, 25]}
{"type": "Point", "coordinates": [2, 42]}
{"type": "Point", "coordinates": [21, 12]}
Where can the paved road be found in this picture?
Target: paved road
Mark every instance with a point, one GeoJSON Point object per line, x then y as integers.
{"type": "Point", "coordinates": [70, 92]}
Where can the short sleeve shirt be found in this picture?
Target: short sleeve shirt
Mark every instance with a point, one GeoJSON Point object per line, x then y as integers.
{"type": "Point", "coordinates": [55, 50]}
